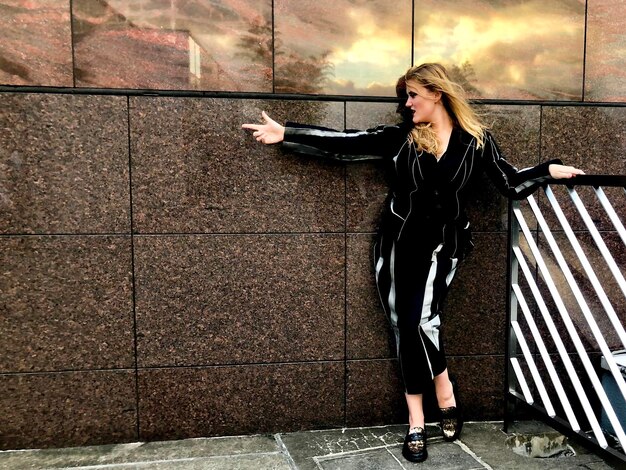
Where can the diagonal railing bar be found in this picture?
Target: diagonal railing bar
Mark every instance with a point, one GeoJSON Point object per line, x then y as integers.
{"type": "Point", "coordinates": [586, 311]}
{"type": "Point", "coordinates": [582, 257]}
{"type": "Point", "coordinates": [607, 400]}
{"type": "Point", "coordinates": [608, 207]}
{"type": "Point", "coordinates": [543, 351]}
{"type": "Point", "coordinates": [569, 325]}
{"type": "Point", "coordinates": [556, 337]}
{"type": "Point", "coordinates": [547, 403]}
{"type": "Point", "coordinates": [522, 381]}
{"type": "Point", "coordinates": [606, 254]}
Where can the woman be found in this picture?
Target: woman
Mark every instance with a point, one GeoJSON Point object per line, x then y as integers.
{"type": "Point", "coordinates": [433, 157]}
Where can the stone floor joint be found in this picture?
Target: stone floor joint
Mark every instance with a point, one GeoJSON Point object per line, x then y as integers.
{"type": "Point", "coordinates": [395, 458]}
{"type": "Point", "coordinates": [285, 451]}
{"type": "Point", "coordinates": [472, 454]}
{"type": "Point", "coordinates": [182, 459]}
{"type": "Point", "coordinates": [353, 452]}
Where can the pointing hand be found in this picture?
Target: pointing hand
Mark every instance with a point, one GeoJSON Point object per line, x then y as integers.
{"type": "Point", "coordinates": [268, 133]}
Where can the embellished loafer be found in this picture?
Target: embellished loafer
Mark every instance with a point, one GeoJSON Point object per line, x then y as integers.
{"type": "Point", "coordinates": [451, 423]}
{"type": "Point", "coordinates": [414, 449]}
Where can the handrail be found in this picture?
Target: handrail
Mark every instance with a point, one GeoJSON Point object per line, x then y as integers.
{"type": "Point", "coordinates": [591, 412]}
{"type": "Point", "coordinates": [590, 180]}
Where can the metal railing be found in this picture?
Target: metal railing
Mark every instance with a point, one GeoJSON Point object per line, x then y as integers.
{"type": "Point", "coordinates": [566, 310]}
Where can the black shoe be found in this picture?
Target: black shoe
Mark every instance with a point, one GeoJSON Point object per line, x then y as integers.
{"type": "Point", "coordinates": [451, 423]}
{"type": "Point", "coordinates": [414, 449]}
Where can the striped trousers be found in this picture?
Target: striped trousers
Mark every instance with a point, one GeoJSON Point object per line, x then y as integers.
{"type": "Point", "coordinates": [412, 285]}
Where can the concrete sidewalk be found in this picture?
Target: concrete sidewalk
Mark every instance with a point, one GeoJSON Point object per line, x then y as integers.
{"type": "Point", "coordinates": [482, 446]}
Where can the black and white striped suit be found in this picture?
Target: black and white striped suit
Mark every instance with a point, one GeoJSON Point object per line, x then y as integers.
{"type": "Point", "coordinates": [424, 232]}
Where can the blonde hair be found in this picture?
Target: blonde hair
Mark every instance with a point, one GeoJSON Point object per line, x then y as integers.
{"type": "Point", "coordinates": [434, 77]}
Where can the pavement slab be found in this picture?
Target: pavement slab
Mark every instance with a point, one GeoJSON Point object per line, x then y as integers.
{"type": "Point", "coordinates": [488, 442]}
{"type": "Point", "coordinates": [90, 456]}
{"type": "Point", "coordinates": [483, 445]}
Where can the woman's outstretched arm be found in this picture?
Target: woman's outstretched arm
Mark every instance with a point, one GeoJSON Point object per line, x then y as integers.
{"type": "Point", "coordinates": [315, 141]}
{"type": "Point", "coordinates": [518, 184]}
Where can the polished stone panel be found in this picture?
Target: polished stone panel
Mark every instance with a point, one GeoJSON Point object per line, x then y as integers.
{"type": "Point", "coordinates": [66, 303]}
{"type": "Point", "coordinates": [239, 299]}
{"type": "Point", "coordinates": [341, 46]}
{"type": "Point", "coordinates": [366, 187]}
{"type": "Point", "coordinates": [605, 64]}
{"type": "Point", "coordinates": [516, 129]}
{"type": "Point", "coordinates": [474, 316]}
{"type": "Point", "coordinates": [593, 139]}
{"type": "Point", "coordinates": [192, 402]}
{"type": "Point", "coordinates": [481, 382]}
{"type": "Point", "coordinates": [36, 47]}
{"type": "Point", "coordinates": [515, 50]}
{"type": "Point", "coordinates": [369, 333]}
{"type": "Point", "coordinates": [195, 169]}
{"type": "Point", "coordinates": [67, 409]}
{"type": "Point", "coordinates": [375, 393]}
{"type": "Point", "coordinates": [365, 115]}
{"type": "Point", "coordinates": [366, 190]}
{"type": "Point", "coordinates": [63, 164]}
{"type": "Point", "coordinates": [223, 45]}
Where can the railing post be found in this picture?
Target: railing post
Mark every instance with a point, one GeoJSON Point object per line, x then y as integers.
{"type": "Point", "coordinates": [511, 309]}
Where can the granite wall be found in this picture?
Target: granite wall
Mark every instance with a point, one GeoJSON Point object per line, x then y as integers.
{"type": "Point", "coordinates": [162, 275]}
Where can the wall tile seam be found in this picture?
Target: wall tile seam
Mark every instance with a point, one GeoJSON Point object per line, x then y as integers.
{"type": "Point", "coordinates": [372, 359]}
{"type": "Point", "coordinates": [227, 234]}
{"type": "Point", "coordinates": [8, 89]}
{"type": "Point", "coordinates": [64, 371]}
{"type": "Point", "coordinates": [345, 279]}
{"type": "Point", "coordinates": [129, 93]}
{"type": "Point", "coordinates": [168, 367]}
{"type": "Point", "coordinates": [65, 234]}
{"type": "Point", "coordinates": [131, 225]}
{"type": "Point", "coordinates": [498, 232]}
{"type": "Point", "coordinates": [162, 234]}
{"type": "Point", "coordinates": [448, 356]}
{"type": "Point", "coordinates": [232, 234]}
{"type": "Point", "coordinates": [244, 364]}
{"type": "Point", "coordinates": [390, 357]}
{"type": "Point", "coordinates": [182, 234]}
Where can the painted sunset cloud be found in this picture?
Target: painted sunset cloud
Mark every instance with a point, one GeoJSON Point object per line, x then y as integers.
{"type": "Point", "coordinates": [515, 49]}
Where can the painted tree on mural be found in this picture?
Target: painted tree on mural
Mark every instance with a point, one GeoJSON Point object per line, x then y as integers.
{"type": "Point", "coordinates": [465, 76]}
{"type": "Point", "coordinates": [257, 46]}
{"type": "Point", "coordinates": [293, 73]}
{"type": "Point", "coordinates": [297, 74]}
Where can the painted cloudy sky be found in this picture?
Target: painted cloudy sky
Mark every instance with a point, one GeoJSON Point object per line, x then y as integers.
{"type": "Point", "coordinates": [518, 49]}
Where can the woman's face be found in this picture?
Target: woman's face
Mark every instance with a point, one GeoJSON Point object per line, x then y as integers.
{"type": "Point", "coordinates": [421, 101]}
